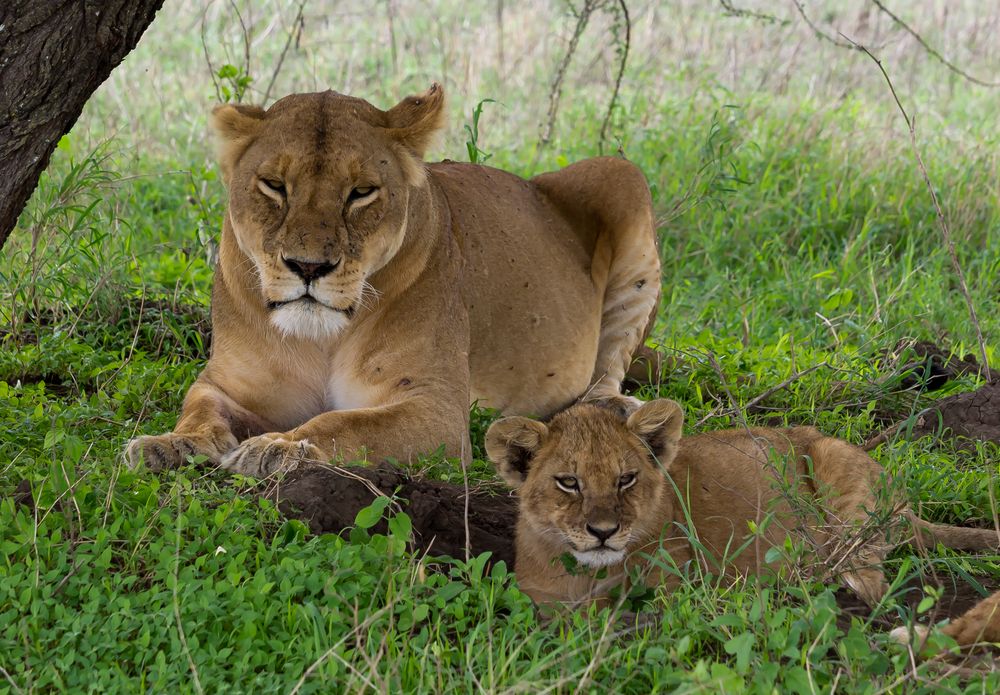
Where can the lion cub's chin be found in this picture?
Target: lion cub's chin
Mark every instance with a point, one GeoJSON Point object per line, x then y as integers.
{"type": "Point", "coordinates": [312, 320]}
{"type": "Point", "coordinates": [601, 557]}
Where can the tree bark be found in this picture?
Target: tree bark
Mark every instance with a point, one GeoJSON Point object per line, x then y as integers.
{"type": "Point", "coordinates": [53, 55]}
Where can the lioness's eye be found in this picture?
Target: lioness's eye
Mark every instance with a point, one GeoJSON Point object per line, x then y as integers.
{"type": "Point", "coordinates": [626, 481]}
{"type": "Point", "coordinates": [272, 186]}
{"type": "Point", "coordinates": [568, 483]}
{"type": "Point", "coordinates": [360, 192]}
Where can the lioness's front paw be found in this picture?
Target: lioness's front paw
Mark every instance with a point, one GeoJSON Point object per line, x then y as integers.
{"type": "Point", "coordinates": [163, 451]}
{"type": "Point", "coordinates": [261, 456]}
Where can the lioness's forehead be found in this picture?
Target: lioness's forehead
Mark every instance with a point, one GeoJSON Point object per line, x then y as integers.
{"type": "Point", "coordinates": [324, 133]}
{"type": "Point", "coordinates": [327, 107]}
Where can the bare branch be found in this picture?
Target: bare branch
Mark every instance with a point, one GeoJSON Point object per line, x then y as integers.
{"type": "Point", "coordinates": [927, 47]}
{"type": "Point", "coordinates": [942, 221]}
{"type": "Point", "coordinates": [734, 11]}
{"type": "Point", "coordinates": [297, 26]}
{"type": "Point", "coordinates": [556, 92]}
{"type": "Point", "coordinates": [819, 32]}
{"type": "Point", "coordinates": [246, 44]}
{"type": "Point", "coordinates": [621, 72]}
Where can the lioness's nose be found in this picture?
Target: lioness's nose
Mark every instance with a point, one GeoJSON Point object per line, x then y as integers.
{"type": "Point", "coordinates": [310, 270]}
{"type": "Point", "coordinates": [602, 533]}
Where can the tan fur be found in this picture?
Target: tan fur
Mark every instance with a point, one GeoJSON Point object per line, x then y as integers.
{"type": "Point", "coordinates": [450, 283]}
{"type": "Point", "coordinates": [978, 625]}
{"type": "Point", "coordinates": [713, 487]}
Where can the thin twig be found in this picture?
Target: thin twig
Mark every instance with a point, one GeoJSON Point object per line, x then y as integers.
{"type": "Point", "coordinates": [942, 221]}
{"type": "Point", "coordinates": [764, 396]}
{"type": "Point", "coordinates": [332, 651]}
{"type": "Point", "coordinates": [500, 58]}
{"type": "Point", "coordinates": [11, 681]}
{"type": "Point", "coordinates": [621, 73]}
{"type": "Point", "coordinates": [208, 58]}
{"type": "Point", "coordinates": [246, 46]}
{"type": "Point", "coordinates": [880, 438]}
{"type": "Point", "coordinates": [297, 25]}
{"type": "Point", "coordinates": [819, 32]}
{"type": "Point", "coordinates": [734, 11]}
{"type": "Point", "coordinates": [177, 608]}
{"type": "Point", "coordinates": [465, 511]}
{"type": "Point", "coordinates": [555, 93]}
{"type": "Point", "coordinates": [927, 47]}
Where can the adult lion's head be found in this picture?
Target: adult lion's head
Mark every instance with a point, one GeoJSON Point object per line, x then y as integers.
{"type": "Point", "coordinates": [319, 191]}
{"type": "Point", "coordinates": [591, 480]}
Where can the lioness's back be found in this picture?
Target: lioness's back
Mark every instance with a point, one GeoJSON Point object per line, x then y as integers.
{"type": "Point", "coordinates": [536, 273]}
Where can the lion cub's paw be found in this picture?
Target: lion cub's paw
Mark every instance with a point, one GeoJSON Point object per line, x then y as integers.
{"type": "Point", "coordinates": [162, 451]}
{"type": "Point", "coordinates": [261, 456]}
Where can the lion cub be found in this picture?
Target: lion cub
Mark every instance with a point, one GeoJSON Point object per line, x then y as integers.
{"type": "Point", "coordinates": [611, 488]}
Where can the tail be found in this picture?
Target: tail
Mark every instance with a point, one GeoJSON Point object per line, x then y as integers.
{"type": "Point", "coordinates": [981, 623]}
{"type": "Point", "coordinates": [978, 625]}
{"type": "Point", "coordinates": [955, 537]}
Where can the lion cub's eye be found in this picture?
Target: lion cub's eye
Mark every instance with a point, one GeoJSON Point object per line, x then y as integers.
{"type": "Point", "coordinates": [626, 481]}
{"type": "Point", "coordinates": [360, 193]}
{"type": "Point", "coordinates": [568, 483]}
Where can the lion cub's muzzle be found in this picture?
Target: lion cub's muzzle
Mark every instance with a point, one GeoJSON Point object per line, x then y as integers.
{"type": "Point", "coordinates": [602, 545]}
{"type": "Point", "coordinates": [602, 532]}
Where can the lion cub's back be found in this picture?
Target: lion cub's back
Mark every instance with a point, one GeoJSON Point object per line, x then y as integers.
{"type": "Point", "coordinates": [733, 477]}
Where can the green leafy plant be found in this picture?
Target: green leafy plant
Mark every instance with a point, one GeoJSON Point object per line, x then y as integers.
{"type": "Point", "coordinates": [476, 155]}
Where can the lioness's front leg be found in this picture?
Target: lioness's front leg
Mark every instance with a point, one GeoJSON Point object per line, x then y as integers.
{"type": "Point", "coordinates": [402, 429]}
{"type": "Point", "coordinates": [211, 425]}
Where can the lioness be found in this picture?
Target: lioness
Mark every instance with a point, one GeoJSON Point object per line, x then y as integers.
{"type": "Point", "coordinates": [611, 489]}
{"type": "Point", "coordinates": [363, 299]}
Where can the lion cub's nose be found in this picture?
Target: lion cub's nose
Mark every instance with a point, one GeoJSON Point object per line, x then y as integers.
{"type": "Point", "coordinates": [310, 270]}
{"type": "Point", "coordinates": [602, 533]}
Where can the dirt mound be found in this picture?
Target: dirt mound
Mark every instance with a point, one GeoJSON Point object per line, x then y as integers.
{"type": "Point", "coordinates": [931, 366]}
{"type": "Point", "coordinates": [972, 415]}
{"type": "Point", "coordinates": [328, 499]}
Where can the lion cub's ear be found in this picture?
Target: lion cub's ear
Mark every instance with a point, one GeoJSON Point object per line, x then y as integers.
{"type": "Point", "coordinates": [235, 127]}
{"type": "Point", "coordinates": [416, 119]}
{"type": "Point", "coordinates": [511, 443]}
{"type": "Point", "coordinates": [659, 423]}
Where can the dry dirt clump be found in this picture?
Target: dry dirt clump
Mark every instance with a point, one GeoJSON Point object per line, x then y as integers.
{"type": "Point", "coordinates": [329, 498]}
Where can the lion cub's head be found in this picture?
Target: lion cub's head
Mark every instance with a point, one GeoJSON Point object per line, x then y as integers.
{"type": "Point", "coordinates": [591, 480]}
{"type": "Point", "coordinates": [319, 192]}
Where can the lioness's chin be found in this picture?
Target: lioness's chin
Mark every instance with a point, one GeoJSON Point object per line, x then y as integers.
{"type": "Point", "coordinates": [306, 319]}
{"type": "Point", "coordinates": [602, 557]}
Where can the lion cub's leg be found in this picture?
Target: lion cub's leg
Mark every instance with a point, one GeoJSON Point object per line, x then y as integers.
{"type": "Point", "coordinates": [211, 425]}
{"type": "Point", "coordinates": [978, 625]}
{"type": "Point", "coordinates": [847, 480]}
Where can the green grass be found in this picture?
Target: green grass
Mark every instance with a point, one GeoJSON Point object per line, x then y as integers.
{"type": "Point", "coordinates": [797, 234]}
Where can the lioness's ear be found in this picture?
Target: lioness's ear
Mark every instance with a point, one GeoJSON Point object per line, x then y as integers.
{"type": "Point", "coordinates": [235, 127]}
{"type": "Point", "coordinates": [659, 424]}
{"type": "Point", "coordinates": [511, 443]}
{"type": "Point", "coordinates": [415, 120]}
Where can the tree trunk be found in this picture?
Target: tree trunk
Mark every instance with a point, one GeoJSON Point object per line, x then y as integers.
{"type": "Point", "coordinates": [53, 55]}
